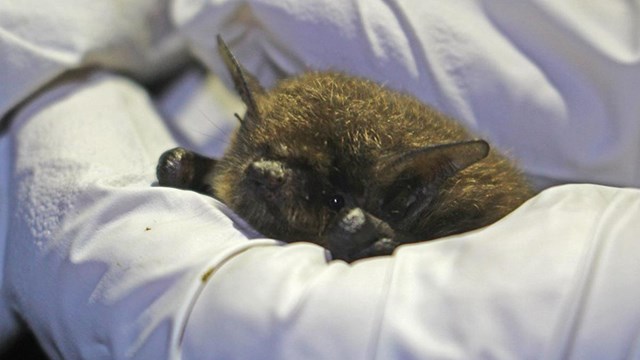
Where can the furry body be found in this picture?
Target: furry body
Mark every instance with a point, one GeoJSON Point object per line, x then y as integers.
{"type": "Point", "coordinates": [348, 164]}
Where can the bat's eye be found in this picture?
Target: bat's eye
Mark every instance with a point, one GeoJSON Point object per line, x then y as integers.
{"type": "Point", "coordinates": [335, 202]}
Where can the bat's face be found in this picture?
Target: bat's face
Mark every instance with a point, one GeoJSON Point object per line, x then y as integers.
{"type": "Point", "coordinates": [319, 161]}
{"type": "Point", "coordinates": [285, 197]}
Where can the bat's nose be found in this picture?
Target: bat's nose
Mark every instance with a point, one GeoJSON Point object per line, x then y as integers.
{"type": "Point", "coordinates": [355, 234]}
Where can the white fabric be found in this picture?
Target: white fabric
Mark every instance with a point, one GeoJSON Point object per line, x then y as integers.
{"type": "Point", "coordinates": [113, 263]}
{"type": "Point", "coordinates": [102, 265]}
{"type": "Point", "coordinates": [554, 83]}
{"type": "Point", "coordinates": [8, 324]}
{"type": "Point", "coordinates": [39, 40]}
{"type": "Point", "coordinates": [508, 291]}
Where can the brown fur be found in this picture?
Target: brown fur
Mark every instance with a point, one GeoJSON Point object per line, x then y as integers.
{"type": "Point", "coordinates": [326, 137]}
{"type": "Point", "coordinates": [330, 119]}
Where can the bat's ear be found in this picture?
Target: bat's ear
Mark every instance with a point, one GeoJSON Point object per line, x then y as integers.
{"type": "Point", "coordinates": [246, 84]}
{"type": "Point", "coordinates": [434, 163]}
{"type": "Point", "coordinates": [411, 179]}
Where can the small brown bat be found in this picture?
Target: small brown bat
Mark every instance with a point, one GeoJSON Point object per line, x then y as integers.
{"type": "Point", "coordinates": [350, 165]}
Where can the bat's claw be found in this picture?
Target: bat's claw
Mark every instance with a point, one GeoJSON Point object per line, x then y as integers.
{"type": "Point", "coordinates": [175, 168]}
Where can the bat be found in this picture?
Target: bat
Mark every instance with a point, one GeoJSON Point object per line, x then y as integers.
{"type": "Point", "coordinates": [349, 164]}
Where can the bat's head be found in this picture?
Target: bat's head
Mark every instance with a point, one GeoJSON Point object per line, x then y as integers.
{"type": "Point", "coordinates": [342, 162]}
